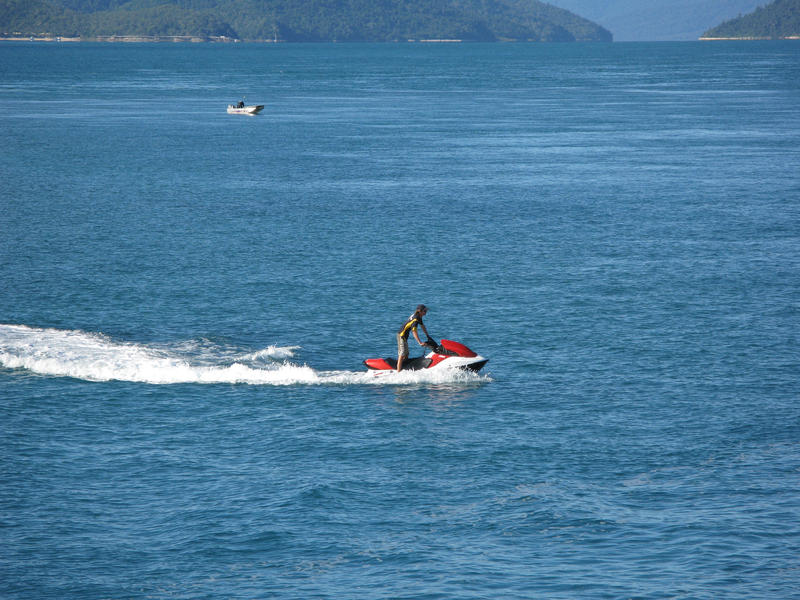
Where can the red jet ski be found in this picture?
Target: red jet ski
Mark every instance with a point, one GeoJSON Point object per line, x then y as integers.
{"type": "Point", "coordinates": [445, 355]}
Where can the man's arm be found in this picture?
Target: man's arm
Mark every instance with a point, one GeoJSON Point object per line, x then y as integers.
{"type": "Point", "coordinates": [425, 329]}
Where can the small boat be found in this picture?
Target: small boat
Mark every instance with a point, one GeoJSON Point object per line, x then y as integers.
{"type": "Point", "coordinates": [240, 108]}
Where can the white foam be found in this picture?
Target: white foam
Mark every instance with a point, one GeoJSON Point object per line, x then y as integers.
{"type": "Point", "coordinates": [271, 353]}
{"type": "Point", "coordinates": [96, 357]}
{"type": "Point", "coordinates": [424, 376]}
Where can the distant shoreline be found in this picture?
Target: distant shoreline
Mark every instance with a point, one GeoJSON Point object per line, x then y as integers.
{"type": "Point", "coordinates": [181, 39]}
{"type": "Point", "coordinates": [747, 39]}
{"type": "Point", "coordinates": [126, 39]}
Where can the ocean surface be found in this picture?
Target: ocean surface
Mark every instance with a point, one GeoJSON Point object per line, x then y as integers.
{"type": "Point", "coordinates": [186, 298]}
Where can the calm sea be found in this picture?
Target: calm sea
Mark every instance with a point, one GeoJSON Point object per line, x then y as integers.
{"type": "Point", "coordinates": [186, 297]}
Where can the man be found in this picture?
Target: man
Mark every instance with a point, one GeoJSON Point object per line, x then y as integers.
{"type": "Point", "coordinates": [410, 326]}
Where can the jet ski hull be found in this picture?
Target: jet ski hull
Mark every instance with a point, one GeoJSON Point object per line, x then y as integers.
{"type": "Point", "coordinates": [448, 355]}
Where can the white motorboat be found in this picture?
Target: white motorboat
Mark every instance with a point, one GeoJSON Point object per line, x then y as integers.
{"type": "Point", "coordinates": [242, 109]}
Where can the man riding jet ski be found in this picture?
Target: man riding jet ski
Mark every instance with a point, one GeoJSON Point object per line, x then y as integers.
{"type": "Point", "coordinates": [446, 354]}
{"type": "Point", "coordinates": [411, 324]}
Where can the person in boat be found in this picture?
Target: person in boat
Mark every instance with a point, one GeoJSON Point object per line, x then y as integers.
{"type": "Point", "coordinates": [240, 104]}
{"type": "Point", "coordinates": [410, 326]}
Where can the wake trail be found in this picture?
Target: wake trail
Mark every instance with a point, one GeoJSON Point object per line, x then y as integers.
{"type": "Point", "coordinates": [96, 357]}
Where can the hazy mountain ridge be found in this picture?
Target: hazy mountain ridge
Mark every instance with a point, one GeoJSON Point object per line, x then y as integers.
{"type": "Point", "coordinates": [659, 20]}
{"type": "Point", "coordinates": [778, 20]}
{"type": "Point", "coordinates": [302, 20]}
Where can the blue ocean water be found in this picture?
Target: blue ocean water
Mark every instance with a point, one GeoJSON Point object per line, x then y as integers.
{"type": "Point", "coordinates": [186, 297]}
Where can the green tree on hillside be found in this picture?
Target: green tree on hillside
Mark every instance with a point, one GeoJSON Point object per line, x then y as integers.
{"type": "Point", "coordinates": [780, 19]}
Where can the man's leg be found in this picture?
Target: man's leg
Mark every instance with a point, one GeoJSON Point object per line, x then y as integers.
{"type": "Point", "coordinates": [402, 351]}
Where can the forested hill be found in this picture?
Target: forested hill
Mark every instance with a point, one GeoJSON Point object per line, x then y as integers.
{"type": "Point", "coordinates": [301, 20]}
{"type": "Point", "coordinates": [778, 20]}
{"type": "Point", "coordinates": [659, 20]}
